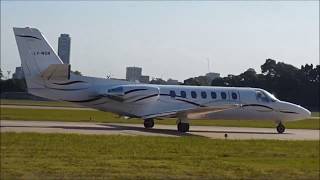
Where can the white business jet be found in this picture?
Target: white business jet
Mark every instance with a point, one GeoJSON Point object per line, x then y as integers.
{"type": "Point", "coordinates": [46, 76]}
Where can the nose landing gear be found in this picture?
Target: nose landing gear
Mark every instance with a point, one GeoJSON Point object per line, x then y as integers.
{"type": "Point", "coordinates": [281, 128]}
{"type": "Point", "coordinates": [148, 123]}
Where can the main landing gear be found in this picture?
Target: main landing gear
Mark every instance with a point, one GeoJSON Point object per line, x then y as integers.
{"type": "Point", "coordinates": [183, 124]}
{"type": "Point", "coordinates": [148, 123]}
{"type": "Point", "coordinates": [183, 127]}
{"type": "Point", "coordinates": [281, 128]}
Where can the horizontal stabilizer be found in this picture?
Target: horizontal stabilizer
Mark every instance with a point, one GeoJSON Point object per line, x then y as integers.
{"type": "Point", "coordinates": [57, 72]}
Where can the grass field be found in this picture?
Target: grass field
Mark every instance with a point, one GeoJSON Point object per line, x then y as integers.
{"type": "Point", "coordinates": [36, 103]}
{"type": "Point", "coordinates": [99, 116]}
{"type": "Point", "coordinates": [70, 156]}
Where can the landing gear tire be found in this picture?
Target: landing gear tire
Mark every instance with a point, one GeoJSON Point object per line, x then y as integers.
{"type": "Point", "coordinates": [183, 127]}
{"type": "Point", "coordinates": [148, 123]}
{"type": "Point", "coordinates": [281, 128]}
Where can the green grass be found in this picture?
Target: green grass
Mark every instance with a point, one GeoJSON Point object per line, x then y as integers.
{"type": "Point", "coordinates": [62, 115]}
{"type": "Point", "coordinates": [315, 114]}
{"type": "Point", "coordinates": [71, 156]}
{"type": "Point", "coordinates": [99, 116]}
{"type": "Point", "coordinates": [36, 103]}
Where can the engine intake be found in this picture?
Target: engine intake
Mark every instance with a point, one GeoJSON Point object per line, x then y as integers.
{"type": "Point", "coordinates": [133, 93]}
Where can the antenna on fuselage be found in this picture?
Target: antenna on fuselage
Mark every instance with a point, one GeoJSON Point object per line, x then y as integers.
{"type": "Point", "coordinates": [208, 61]}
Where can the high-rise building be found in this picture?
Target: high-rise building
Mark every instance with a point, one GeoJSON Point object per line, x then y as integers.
{"type": "Point", "coordinates": [133, 74]}
{"type": "Point", "coordinates": [64, 45]}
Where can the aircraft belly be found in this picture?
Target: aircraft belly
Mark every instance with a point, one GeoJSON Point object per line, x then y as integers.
{"type": "Point", "coordinates": [242, 114]}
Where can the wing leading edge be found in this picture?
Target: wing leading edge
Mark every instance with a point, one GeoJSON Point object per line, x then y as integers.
{"type": "Point", "coordinates": [194, 113]}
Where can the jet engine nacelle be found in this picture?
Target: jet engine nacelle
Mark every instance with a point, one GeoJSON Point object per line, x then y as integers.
{"type": "Point", "coordinates": [133, 93]}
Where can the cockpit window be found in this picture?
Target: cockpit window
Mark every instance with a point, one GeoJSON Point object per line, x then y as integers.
{"type": "Point", "coordinates": [264, 96]}
{"type": "Point", "coordinates": [271, 97]}
{"type": "Point", "coordinates": [260, 96]}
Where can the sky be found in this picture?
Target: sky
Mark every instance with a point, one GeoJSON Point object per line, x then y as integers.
{"type": "Point", "coordinates": [172, 39]}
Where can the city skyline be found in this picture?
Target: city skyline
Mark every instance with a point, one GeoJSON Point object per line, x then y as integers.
{"type": "Point", "coordinates": [169, 39]}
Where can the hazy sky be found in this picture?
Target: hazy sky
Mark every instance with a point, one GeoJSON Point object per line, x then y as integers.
{"type": "Point", "coordinates": [169, 39]}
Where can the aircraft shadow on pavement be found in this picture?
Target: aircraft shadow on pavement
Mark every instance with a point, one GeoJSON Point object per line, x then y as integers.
{"type": "Point", "coordinates": [235, 132]}
{"type": "Point", "coordinates": [111, 127]}
{"type": "Point", "coordinates": [152, 130]}
{"type": "Point", "coordinates": [118, 127]}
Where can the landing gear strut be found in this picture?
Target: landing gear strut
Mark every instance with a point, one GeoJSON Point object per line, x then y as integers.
{"type": "Point", "coordinates": [281, 128]}
{"type": "Point", "coordinates": [183, 124]}
{"type": "Point", "coordinates": [148, 123]}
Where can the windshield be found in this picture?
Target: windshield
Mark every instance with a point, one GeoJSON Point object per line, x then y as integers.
{"type": "Point", "coordinates": [264, 96]}
{"type": "Point", "coordinates": [271, 96]}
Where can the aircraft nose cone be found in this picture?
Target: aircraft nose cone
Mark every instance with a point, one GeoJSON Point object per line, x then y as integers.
{"type": "Point", "coordinates": [294, 112]}
{"type": "Point", "coordinates": [305, 112]}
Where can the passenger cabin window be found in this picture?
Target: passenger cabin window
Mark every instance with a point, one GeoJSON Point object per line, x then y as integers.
{"type": "Point", "coordinates": [183, 94]}
{"type": "Point", "coordinates": [223, 95]}
{"type": "Point", "coordinates": [203, 95]}
{"type": "Point", "coordinates": [234, 95]}
{"type": "Point", "coordinates": [193, 94]}
{"type": "Point", "coordinates": [172, 94]}
{"type": "Point", "coordinates": [213, 95]}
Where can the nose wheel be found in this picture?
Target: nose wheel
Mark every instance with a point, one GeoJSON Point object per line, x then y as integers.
{"type": "Point", "coordinates": [281, 128]}
{"type": "Point", "coordinates": [148, 123]}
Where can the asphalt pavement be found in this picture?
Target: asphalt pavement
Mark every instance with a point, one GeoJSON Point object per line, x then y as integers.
{"type": "Point", "coordinates": [213, 132]}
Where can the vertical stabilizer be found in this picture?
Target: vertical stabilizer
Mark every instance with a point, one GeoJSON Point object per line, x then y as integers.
{"type": "Point", "coordinates": [36, 55]}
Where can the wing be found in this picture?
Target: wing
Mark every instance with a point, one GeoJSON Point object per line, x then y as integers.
{"type": "Point", "coordinates": [196, 113]}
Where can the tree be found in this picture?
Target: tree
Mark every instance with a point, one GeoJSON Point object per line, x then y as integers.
{"type": "Point", "coordinates": [1, 74]}
{"type": "Point", "coordinates": [197, 81]}
{"type": "Point", "coordinates": [268, 67]}
{"type": "Point", "coordinates": [77, 73]}
{"type": "Point", "coordinates": [288, 83]}
{"type": "Point", "coordinates": [157, 81]}
{"type": "Point", "coordinates": [13, 85]}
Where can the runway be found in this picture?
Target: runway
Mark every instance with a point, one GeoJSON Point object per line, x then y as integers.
{"type": "Point", "coordinates": [213, 132]}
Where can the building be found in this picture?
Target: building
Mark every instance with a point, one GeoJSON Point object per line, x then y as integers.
{"type": "Point", "coordinates": [172, 82]}
{"type": "Point", "coordinates": [18, 74]}
{"type": "Point", "coordinates": [144, 79]}
{"type": "Point", "coordinates": [133, 74]}
{"type": "Point", "coordinates": [211, 76]}
{"type": "Point", "coordinates": [64, 45]}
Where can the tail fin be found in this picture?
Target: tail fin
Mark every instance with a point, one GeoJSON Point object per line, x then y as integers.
{"type": "Point", "coordinates": [36, 55]}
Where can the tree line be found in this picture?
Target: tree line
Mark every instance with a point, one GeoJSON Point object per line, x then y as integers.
{"type": "Point", "coordinates": [286, 82]}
